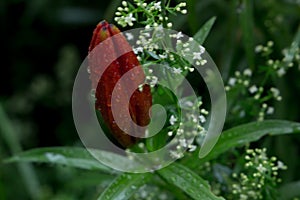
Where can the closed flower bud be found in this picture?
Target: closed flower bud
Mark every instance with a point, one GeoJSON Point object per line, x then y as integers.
{"type": "Point", "coordinates": [104, 80]}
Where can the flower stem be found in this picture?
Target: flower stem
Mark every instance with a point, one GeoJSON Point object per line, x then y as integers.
{"type": "Point", "coordinates": [163, 8]}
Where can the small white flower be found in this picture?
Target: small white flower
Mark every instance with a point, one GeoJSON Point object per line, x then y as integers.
{"type": "Point", "coordinates": [203, 111]}
{"type": "Point", "coordinates": [153, 81]}
{"type": "Point", "coordinates": [270, 110]}
{"type": "Point", "coordinates": [247, 72]}
{"type": "Point", "coordinates": [129, 19]}
{"type": "Point", "coordinates": [202, 49]}
{"type": "Point", "coordinates": [177, 70]}
{"type": "Point", "coordinates": [203, 62]}
{"type": "Point", "coordinates": [184, 11]}
{"type": "Point", "coordinates": [157, 6]}
{"type": "Point", "coordinates": [264, 105]}
{"type": "Point", "coordinates": [179, 35]}
{"type": "Point", "coordinates": [258, 48]}
{"type": "Point", "coordinates": [175, 154]}
{"type": "Point", "coordinates": [191, 69]}
{"type": "Point", "coordinates": [270, 43]}
{"type": "Point", "coordinates": [173, 120]}
{"type": "Point", "coordinates": [281, 72]}
{"type": "Point", "coordinates": [202, 119]}
{"type": "Point", "coordinates": [232, 81]}
{"type": "Point", "coordinates": [246, 83]}
{"type": "Point", "coordinates": [192, 147]}
{"type": "Point", "coordinates": [163, 56]}
{"type": "Point", "coordinates": [169, 25]}
{"type": "Point", "coordinates": [124, 3]}
{"type": "Point", "coordinates": [280, 165]}
{"type": "Point", "coordinates": [261, 169]}
{"type": "Point", "coordinates": [237, 73]}
{"type": "Point", "coordinates": [197, 55]}
{"type": "Point", "coordinates": [275, 92]}
{"type": "Point", "coordinates": [253, 89]}
{"type": "Point", "coordinates": [182, 4]}
{"type": "Point", "coordinates": [129, 36]}
{"type": "Point", "coordinates": [182, 143]}
{"type": "Point", "coordinates": [137, 50]}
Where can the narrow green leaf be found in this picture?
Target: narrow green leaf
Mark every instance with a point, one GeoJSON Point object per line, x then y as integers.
{"type": "Point", "coordinates": [9, 134]}
{"type": "Point", "coordinates": [68, 156]}
{"type": "Point", "coordinates": [124, 186]}
{"type": "Point", "coordinates": [297, 37]}
{"type": "Point", "coordinates": [244, 134]}
{"type": "Point", "coordinates": [290, 190]}
{"type": "Point", "coordinates": [251, 132]}
{"type": "Point", "coordinates": [247, 26]}
{"type": "Point", "coordinates": [188, 181]}
{"type": "Point", "coordinates": [203, 32]}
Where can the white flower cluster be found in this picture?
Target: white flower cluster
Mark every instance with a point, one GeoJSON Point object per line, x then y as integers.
{"type": "Point", "coordinates": [261, 171]}
{"type": "Point", "coordinates": [149, 46]}
{"type": "Point", "coordinates": [124, 16]}
{"type": "Point", "coordinates": [291, 56]}
{"type": "Point", "coordinates": [189, 50]}
{"type": "Point", "coordinates": [259, 95]}
{"type": "Point", "coordinates": [240, 79]}
{"type": "Point", "coordinates": [186, 131]}
{"type": "Point", "coordinates": [150, 49]}
{"type": "Point", "coordinates": [151, 13]}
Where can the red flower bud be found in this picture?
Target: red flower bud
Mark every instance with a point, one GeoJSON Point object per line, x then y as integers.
{"type": "Point", "coordinates": [104, 79]}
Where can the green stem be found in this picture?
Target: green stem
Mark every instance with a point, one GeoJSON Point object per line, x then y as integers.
{"type": "Point", "coordinates": [163, 9]}
{"type": "Point", "coordinates": [27, 172]}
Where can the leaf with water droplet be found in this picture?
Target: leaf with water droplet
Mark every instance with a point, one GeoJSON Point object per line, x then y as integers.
{"type": "Point", "coordinates": [124, 186]}
{"type": "Point", "coordinates": [68, 156]}
{"type": "Point", "coordinates": [188, 181]}
{"type": "Point", "coordinates": [203, 32]}
{"type": "Point", "coordinates": [244, 134]}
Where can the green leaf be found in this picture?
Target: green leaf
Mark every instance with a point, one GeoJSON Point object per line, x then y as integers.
{"type": "Point", "coordinates": [244, 134]}
{"type": "Point", "coordinates": [247, 26]}
{"type": "Point", "coordinates": [124, 186]}
{"type": "Point", "coordinates": [290, 190]}
{"type": "Point", "coordinates": [188, 181]}
{"type": "Point", "coordinates": [68, 156]}
{"type": "Point", "coordinates": [9, 134]}
{"type": "Point", "coordinates": [203, 32]}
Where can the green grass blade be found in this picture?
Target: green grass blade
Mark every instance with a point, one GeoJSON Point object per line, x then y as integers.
{"type": "Point", "coordinates": [247, 26]}
{"type": "Point", "coordinates": [203, 32]}
{"type": "Point", "coordinates": [124, 186]}
{"type": "Point", "coordinates": [27, 172]}
{"type": "Point", "coordinates": [188, 181]}
{"type": "Point", "coordinates": [68, 156]}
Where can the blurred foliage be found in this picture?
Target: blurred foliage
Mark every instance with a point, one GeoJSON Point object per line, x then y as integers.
{"type": "Point", "coordinates": [44, 43]}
